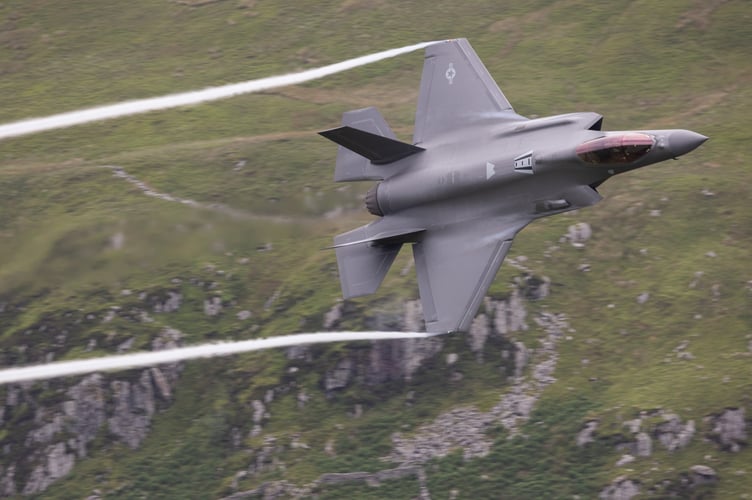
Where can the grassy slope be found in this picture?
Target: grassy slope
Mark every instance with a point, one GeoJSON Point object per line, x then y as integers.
{"type": "Point", "coordinates": [638, 63]}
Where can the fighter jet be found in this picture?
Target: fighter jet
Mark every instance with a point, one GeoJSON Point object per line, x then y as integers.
{"type": "Point", "coordinates": [475, 174]}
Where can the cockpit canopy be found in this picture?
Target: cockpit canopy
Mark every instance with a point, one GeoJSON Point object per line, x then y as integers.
{"type": "Point", "coordinates": [621, 148]}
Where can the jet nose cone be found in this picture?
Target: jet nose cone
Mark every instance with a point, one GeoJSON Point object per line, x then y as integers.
{"type": "Point", "coordinates": [683, 141]}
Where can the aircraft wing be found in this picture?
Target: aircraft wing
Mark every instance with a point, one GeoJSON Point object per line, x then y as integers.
{"type": "Point", "coordinates": [455, 267]}
{"type": "Point", "coordinates": [456, 90]}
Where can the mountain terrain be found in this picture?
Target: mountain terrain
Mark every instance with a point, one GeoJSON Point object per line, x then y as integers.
{"type": "Point", "coordinates": [612, 357]}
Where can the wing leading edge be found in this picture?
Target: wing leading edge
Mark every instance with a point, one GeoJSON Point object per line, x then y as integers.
{"type": "Point", "coordinates": [455, 267]}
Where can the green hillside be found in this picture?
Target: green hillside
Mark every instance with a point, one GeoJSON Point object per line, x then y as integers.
{"type": "Point", "coordinates": [654, 311]}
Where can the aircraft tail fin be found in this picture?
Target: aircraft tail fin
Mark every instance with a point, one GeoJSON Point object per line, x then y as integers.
{"type": "Point", "coordinates": [366, 143]}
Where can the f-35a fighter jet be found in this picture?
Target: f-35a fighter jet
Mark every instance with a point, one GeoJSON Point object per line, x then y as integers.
{"type": "Point", "coordinates": [475, 175]}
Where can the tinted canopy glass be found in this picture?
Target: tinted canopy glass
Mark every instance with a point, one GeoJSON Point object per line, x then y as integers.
{"type": "Point", "coordinates": [622, 148]}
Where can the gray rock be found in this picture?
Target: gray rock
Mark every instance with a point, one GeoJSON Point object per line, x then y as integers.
{"type": "Point", "coordinates": [333, 317]}
{"type": "Point", "coordinates": [213, 306]}
{"type": "Point", "coordinates": [643, 298]}
{"type": "Point", "coordinates": [621, 488]}
{"type": "Point", "coordinates": [243, 315]}
{"type": "Point", "coordinates": [535, 288]}
{"type": "Point", "coordinates": [702, 474]}
{"type": "Point", "coordinates": [302, 398]}
{"type": "Point", "coordinates": [259, 411]}
{"type": "Point", "coordinates": [730, 429]}
{"type": "Point", "coordinates": [672, 434]}
{"type": "Point", "coordinates": [416, 351]}
{"type": "Point", "coordinates": [643, 445]}
{"type": "Point", "coordinates": [329, 447]}
{"type": "Point", "coordinates": [91, 345]}
{"type": "Point", "coordinates": [55, 463]}
{"type": "Point", "coordinates": [45, 433]}
{"type": "Point", "coordinates": [634, 425]}
{"type": "Point", "coordinates": [126, 346]}
{"type": "Point", "coordinates": [13, 395]}
{"type": "Point", "coordinates": [269, 396]}
{"type": "Point", "coordinates": [510, 314]}
{"type": "Point", "coordinates": [479, 330]}
{"type": "Point", "coordinates": [134, 408]}
{"type": "Point", "coordinates": [161, 383]}
{"type": "Point", "coordinates": [358, 411]}
{"type": "Point", "coordinates": [340, 376]}
{"type": "Point", "coordinates": [117, 240]}
{"type": "Point", "coordinates": [399, 359]}
{"type": "Point", "coordinates": [585, 436]}
{"type": "Point", "coordinates": [7, 481]}
{"type": "Point", "coordinates": [452, 358]}
{"type": "Point", "coordinates": [521, 358]}
{"type": "Point", "coordinates": [172, 303]}
{"type": "Point", "coordinates": [624, 460]}
{"type": "Point", "coordinates": [298, 352]}
{"type": "Point", "coordinates": [168, 338]}
{"type": "Point", "coordinates": [579, 233]}
{"type": "Point", "coordinates": [85, 411]}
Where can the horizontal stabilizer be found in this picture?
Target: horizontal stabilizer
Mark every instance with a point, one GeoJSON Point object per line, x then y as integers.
{"type": "Point", "coordinates": [355, 164]}
{"type": "Point", "coordinates": [401, 235]}
{"type": "Point", "coordinates": [379, 150]}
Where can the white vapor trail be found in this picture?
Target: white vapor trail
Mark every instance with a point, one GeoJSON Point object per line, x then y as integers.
{"type": "Point", "coordinates": [142, 359]}
{"type": "Point", "coordinates": [72, 118]}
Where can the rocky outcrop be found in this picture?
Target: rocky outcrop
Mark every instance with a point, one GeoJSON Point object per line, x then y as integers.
{"type": "Point", "coordinates": [643, 445]}
{"type": "Point", "coordinates": [285, 489]}
{"type": "Point", "coordinates": [702, 474]}
{"type": "Point", "coordinates": [340, 376]}
{"type": "Point", "coordinates": [672, 434]}
{"type": "Point", "coordinates": [665, 427]}
{"type": "Point", "coordinates": [621, 488]}
{"type": "Point", "coordinates": [479, 331]}
{"type": "Point", "coordinates": [170, 303]}
{"type": "Point", "coordinates": [465, 428]}
{"type": "Point", "coordinates": [134, 408]}
{"type": "Point", "coordinates": [578, 234]}
{"type": "Point", "coordinates": [333, 317]}
{"type": "Point", "coordinates": [57, 462]}
{"type": "Point", "coordinates": [697, 482]}
{"type": "Point", "coordinates": [62, 433]}
{"type": "Point", "coordinates": [7, 481]}
{"type": "Point", "coordinates": [85, 411]}
{"type": "Point", "coordinates": [399, 359]}
{"type": "Point", "coordinates": [213, 306]}
{"type": "Point", "coordinates": [521, 358]}
{"type": "Point", "coordinates": [729, 429]}
{"type": "Point", "coordinates": [510, 314]}
{"type": "Point", "coordinates": [585, 436]}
